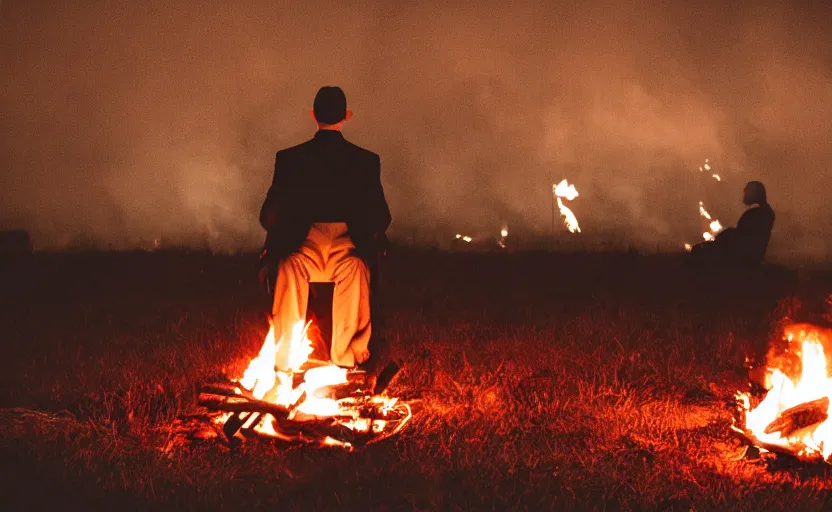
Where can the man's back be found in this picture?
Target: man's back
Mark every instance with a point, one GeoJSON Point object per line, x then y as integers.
{"type": "Point", "coordinates": [328, 176]}
{"type": "Point", "coordinates": [326, 179]}
{"type": "Point", "coordinates": [754, 228]}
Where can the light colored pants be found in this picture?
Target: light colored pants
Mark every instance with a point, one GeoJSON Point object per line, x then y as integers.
{"type": "Point", "coordinates": [327, 255]}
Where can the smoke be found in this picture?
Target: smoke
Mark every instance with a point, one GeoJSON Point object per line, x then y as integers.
{"type": "Point", "coordinates": [124, 123]}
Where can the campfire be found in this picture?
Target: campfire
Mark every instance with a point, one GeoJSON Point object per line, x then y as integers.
{"type": "Point", "coordinates": [313, 401]}
{"type": "Point", "coordinates": [793, 417]}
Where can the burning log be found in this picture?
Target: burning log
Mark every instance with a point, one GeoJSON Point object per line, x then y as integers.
{"type": "Point", "coordinates": [800, 417]}
{"type": "Point", "coordinates": [237, 421]}
{"type": "Point", "coordinates": [359, 383]}
{"type": "Point", "coordinates": [243, 405]}
{"type": "Point", "coordinates": [224, 389]}
{"type": "Point", "coordinates": [751, 440]}
{"type": "Point", "coordinates": [803, 430]}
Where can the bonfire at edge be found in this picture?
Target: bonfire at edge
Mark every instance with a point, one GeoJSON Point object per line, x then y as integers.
{"type": "Point", "coordinates": [312, 401]}
{"type": "Point", "coordinates": [793, 417]}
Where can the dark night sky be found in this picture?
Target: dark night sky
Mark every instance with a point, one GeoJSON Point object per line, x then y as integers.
{"type": "Point", "coordinates": [127, 121]}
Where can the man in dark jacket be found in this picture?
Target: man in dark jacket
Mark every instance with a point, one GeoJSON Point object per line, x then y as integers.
{"type": "Point", "coordinates": [325, 216]}
{"type": "Point", "coordinates": [745, 245]}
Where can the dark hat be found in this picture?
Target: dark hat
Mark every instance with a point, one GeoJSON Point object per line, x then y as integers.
{"type": "Point", "coordinates": [330, 105]}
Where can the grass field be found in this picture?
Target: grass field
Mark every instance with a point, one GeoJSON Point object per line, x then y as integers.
{"type": "Point", "coordinates": [546, 381]}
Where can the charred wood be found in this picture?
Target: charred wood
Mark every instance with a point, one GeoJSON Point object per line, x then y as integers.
{"type": "Point", "coordinates": [751, 440]}
{"type": "Point", "coordinates": [800, 417]}
{"type": "Point", "coordinates": [385, 378]}
{"type": "Point", "coordinates": [244, 405]}
{"type": "Point", "coordinates": [233, 424]}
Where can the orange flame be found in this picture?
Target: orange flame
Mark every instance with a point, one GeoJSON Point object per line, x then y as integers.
{"type": "Point", "coordinates": [503, 235]}
{"type": "Point", "coordinates": [714, 225]}
{"type": "Point", "coordinates": [564, 190]}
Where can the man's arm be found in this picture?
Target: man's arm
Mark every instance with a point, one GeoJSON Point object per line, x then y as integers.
{"type": "Point", "coordinates": [271, 209]}
{"type": "Point", "coordinates": [380, 217]}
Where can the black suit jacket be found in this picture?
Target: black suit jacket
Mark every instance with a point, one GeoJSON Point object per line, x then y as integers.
{"type": "Point", "coordinates": [326, 179]}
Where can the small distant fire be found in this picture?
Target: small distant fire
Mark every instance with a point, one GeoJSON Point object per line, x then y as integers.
{"type": "Point", "coordinates": [310, 401]}
{"type": "Point", "coordinates": [561, 191]}
{"type": "Point", "coordinates": [794, 416]}
{"type": "Point", "coordinates": [503, 235]}
{"type": "Point", "coordinates": [714, 226]}
{"type": "Point", "coordinates": [707, 167]}
{"type": "Point", "coordinates": [465, 238]}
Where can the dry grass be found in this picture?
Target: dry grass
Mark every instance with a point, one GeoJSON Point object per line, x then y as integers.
{"type": "Point", "coordinates": [546, 382]}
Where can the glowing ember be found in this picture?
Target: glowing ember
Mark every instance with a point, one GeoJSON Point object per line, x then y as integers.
{"type": "Point", "coordinates": [564, 190]}
{"type": "Point", "coordinates": [464, 238]}
{"type": "Point", "coordinates": [794, 416]}
{"type": "Point", "coordinates": [279, 403]}
{"type": "Point", "coordinates": [716, 177]}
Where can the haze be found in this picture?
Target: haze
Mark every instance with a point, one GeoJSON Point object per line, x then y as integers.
{"type": "Point", "coordinates": [128, 122]}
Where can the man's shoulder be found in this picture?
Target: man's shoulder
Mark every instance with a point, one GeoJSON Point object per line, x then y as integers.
{"type": "Point", "coordinates": [353, 152]}
{"type": "Point", "coordinates": [296, 149]}
{"type": "Point", "coordinates": [358, 150]}
{"type": "Point", "coordinates": [758, 215]}
{"type": "Point", "coordinates": [763, 210]}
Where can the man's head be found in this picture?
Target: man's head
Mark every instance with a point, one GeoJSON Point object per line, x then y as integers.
{"type": "Point", "coordinates": [754, 193]}
{"type": "Point", "coordinates": [329, 111]}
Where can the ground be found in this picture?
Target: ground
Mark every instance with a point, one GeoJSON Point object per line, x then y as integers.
{"type": "Point", "coordinates": [544, 381]}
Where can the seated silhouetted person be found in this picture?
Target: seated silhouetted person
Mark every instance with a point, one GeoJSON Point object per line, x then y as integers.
{"type": "Point", "coordinates": [744, 246]}
{"type": "Point", "coordinates": [325, 216]}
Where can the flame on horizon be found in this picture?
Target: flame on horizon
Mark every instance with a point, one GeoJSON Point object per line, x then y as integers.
{"type": "Point", "coordinates": [503, 235]}
{"type": "Point", "coordinates": [564, 190]}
